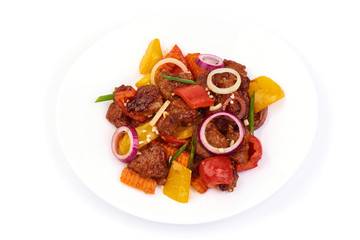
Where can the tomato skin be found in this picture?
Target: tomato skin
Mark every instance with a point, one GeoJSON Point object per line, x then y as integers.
{"type": "Point", "coordinates": [195, 96]}
{"type": "Point", "coordinates": [255, 153]}
{"type": "Point", "coordinates": [216, 170]}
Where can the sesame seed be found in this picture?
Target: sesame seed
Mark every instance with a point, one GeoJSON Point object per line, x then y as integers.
{"type": "Point", "coordinates": [231, 102]}
{"type": "Point", "coordinates": [211, 96]}
{"type": "Point", "coordinates": [246, 122]}
{"type": "Point", "coordinates": [141, 142]}
{"type": "Point", "coordinates": [232, 143]}
{"type": "Point", "coordinates": [232, 96]}
{"type": "Point", "coordinates": [221, 150]}
{"type": "Point", "coordinates": [144, 130]}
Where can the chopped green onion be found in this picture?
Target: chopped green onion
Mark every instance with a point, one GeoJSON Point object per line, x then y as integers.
{"type": "Point", "coordinates": [183, 147]}
{"type": "Point", "coordinates": [179, 80]}
{"type": "Point", "coordinates": [105, 98]}
{"type": "Point", "coordinates": [192, 152]}
{"type": "Point", "coordinates": [251, 113]}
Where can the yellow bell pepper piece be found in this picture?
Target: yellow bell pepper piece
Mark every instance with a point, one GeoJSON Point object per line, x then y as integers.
{"type": "Point", "coordinates": [144, 81]}
{"type": "Point", "coordinates": [145, 135]}
{"type": "Point", "coordinates": [183, 132]}
{"type": "Point", "coordinates": [152, 55]}
{"type": "Point", "coordinates": [266, 92]}
{"type": "Point", "coordinates": [177, 186]}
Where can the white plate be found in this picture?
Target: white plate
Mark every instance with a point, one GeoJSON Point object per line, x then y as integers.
{"type": "Point", "coordinates": [85, 134]}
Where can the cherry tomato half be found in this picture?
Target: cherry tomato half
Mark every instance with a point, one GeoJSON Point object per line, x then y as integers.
{"type": "Point", "coordinates": [216, 170]}
{"type": "Point", "coordinates": [255, 153]}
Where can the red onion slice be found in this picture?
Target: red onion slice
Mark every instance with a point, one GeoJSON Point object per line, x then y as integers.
{"type": "Point", "coordinates": [242, 105]}
{"type": "Point", "coordinates": [220, 151]}
{"type": "Point", "coordinates": [134, 143]}
{"type": "Point", "coordinates": [209, 62]}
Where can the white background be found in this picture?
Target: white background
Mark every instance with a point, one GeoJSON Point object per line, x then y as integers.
{"type": "Point", "coordinates": [42, 198]}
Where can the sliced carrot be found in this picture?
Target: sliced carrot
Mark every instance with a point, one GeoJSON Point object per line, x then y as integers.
{"type": "Point", "coordinates": [183, 158]}
{"type": "Point", "coordinates": [194, 68]}
{"type": "Point", "coordinates": [134, 179]}
{"type": "Point", "coordinates": [199, 185]}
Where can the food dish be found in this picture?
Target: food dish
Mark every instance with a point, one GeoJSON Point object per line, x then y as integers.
{"type": "Point", "coordinates": [85, 140]}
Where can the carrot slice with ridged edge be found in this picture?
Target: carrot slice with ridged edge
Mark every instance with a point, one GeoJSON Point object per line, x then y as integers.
{"type": "Point", "coordinates": [133, 179]}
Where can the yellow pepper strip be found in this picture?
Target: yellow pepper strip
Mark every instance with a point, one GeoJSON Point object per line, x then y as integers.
{"type": "Point", "coordinates": [152, 55]}
{"type": "Point", "coordinates": [145, 134]}
{"type": "Point", "coordinates": [183, 132]}
{"type": "Point", "coordinates": [177, 186]}
{"type": "Point", "coordinates": [266, 91]}
{"type": "Point", "coordinates": [144, 81]}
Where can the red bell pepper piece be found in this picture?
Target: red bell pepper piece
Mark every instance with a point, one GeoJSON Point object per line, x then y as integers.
{"type": "Point", "coordinates": [177, 54]}
{"type": "Point", "coordinates": [195, 96]}
{"type": "Point", "coordinates": [121, 97]}
{"type": "Point", "coordinates": [173, 140]}
{"type": "Point", "coordinates": [255, 153]}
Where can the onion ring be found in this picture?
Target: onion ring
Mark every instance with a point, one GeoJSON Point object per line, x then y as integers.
{"type": "Point", "coordinates": [218, 90]}
{"type": "Point", "coordinates": [164, 61]}
{"type": "Point", "coordinates": [134, 143]}
{"type": "Point", "coordinates": [220, 151]}
{"type": "Point", "coordinates": [242, 105]}
{"type": "Point", "coordinates": [209, 62]}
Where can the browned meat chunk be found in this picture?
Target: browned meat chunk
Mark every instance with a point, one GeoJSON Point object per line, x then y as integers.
{"type": "Point", "coordinates": [151, 162]}
{"type": "Point", "coordinates": [116, 116]}
{"type": "Point", "coordinates": [215, 137]}
{"type": "Point", "coordinates": [166, 86]}
{"type": "Point", "coordinates": [114, 113]}
{"type": "Point", "coordinates": [241, 155]}
{"type": "Point", "coordinates": [179, 114]}
{"type": "Point", "coordinates": [146, 102]}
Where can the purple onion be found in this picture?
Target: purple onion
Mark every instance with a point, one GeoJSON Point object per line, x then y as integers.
{"type": "Point", "coordinates": [209, 62]}
{"type": "Point", "coordinates": [220, 151]}
{"type": "Point", "coordinates": [134, 143]}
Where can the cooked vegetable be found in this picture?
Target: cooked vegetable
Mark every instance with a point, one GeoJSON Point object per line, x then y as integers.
{"type": "Point", "coordinates": [267, 92]}
{"type": "Point", "coordinates": [166, 60]}
{"type": "Point", "coordinates": [220, 151]}
{"type": "Point", "coordinates": [121, 98]}
{"type": "Point", "coordinates": [173, 140]}
{"type": "Point", "coordinates": [199, 185]}
{"type": "Point", "coordinates": [255, 153]}
{"type": "Point", "coordinates": [152, 55]}
{"type": "Point", "coordinates": [216, 170]}
{"type": "Point", "coordinates": [183, 158]}
{"type": "Point", "coordinates": [184, 132]}
{"type": "Point", "coordinates": [194, 68]}
{"type": "Point", "coordinates": [145, 134]}
{"type": "Point", "coordinates": [214, 108]}
{"type": "Point", "coordinates": [218, 90]}
{"type": "Point", "coordinates": [209, 62]}
{"type": "Point", "coordinates": [194, 95]}
{"type": "Point", "coordinates": [133, 179]}
{"type": "Point", "coordinates": [251, 113]}
{"type": "Point", "coordinates": [130, 154]}
{"type": "Point", "coordinates": [177, 54]}
{"type": "Point", "coordinates": [179, 80]}
{"type": "Point", "coordinates": [159, 113]}
{"type": "Point", "coordinates": [178, 152]}
{"type": "Point", "coordinates": [144, 81]}
{"type": "Point", "coordinates": [105, 98]}
{"type": "Point", "coordinates": [241, 101]}
{"type": "Point", "coordinates": [177, 186]}
{"type": "Point", "coordinates": [192, 152]}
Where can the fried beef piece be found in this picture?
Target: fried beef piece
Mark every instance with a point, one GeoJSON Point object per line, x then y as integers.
{"type": "Point", "coordinates": [179, 114]}
{"type": "Point", "coordinates": [166, 86]}
{"type": "Point", "coordinates": [146, 102]}
{"type": "Point", "coordinates": [215, 137]}
{"type": "Point", "coordinates": [241, 155]}
{"type": "Point", "coordinates": [151, 162]}
{"type": "Point", "coordinates": [114, 113]}
{"type": "Point", "coordinates": [116, 116]}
